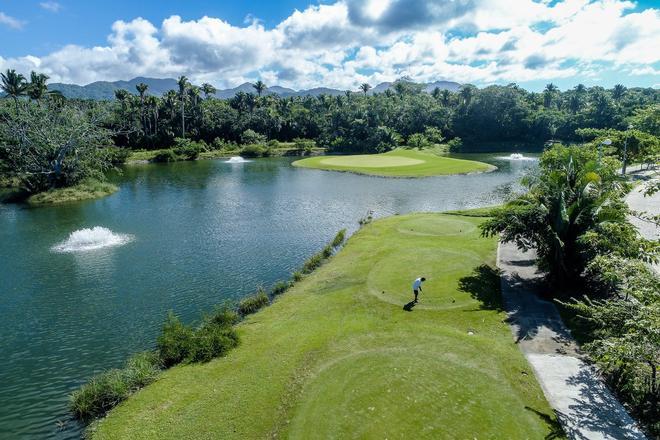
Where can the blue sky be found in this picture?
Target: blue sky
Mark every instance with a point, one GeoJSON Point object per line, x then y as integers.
{"type": "Point", "coordinates": [338, 43]}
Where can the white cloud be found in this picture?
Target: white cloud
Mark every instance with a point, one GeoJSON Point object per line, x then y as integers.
{"type": "Point", "coordinates": [51, 6]}
{"type": "Point", "coordinates": [11, 22]}
{"type": "Point", "coordinates": [348, 42]}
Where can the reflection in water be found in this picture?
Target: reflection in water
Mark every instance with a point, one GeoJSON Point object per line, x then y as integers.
{"type": "Point", "coordinates": [207, 231]}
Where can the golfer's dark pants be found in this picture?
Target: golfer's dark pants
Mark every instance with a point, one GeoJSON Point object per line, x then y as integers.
{"type": "Point", "coordinates": [415, 292]}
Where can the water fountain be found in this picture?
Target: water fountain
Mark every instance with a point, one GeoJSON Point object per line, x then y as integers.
{"type": "Point", "coordinates": [236, 159]}
{"type": "Point", "coordinates": [516, 157]}
{"type": "Point", "coordinates": [88, 239]}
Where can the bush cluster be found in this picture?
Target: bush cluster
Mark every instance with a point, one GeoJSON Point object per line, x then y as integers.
{"type": "Point", "coordinates": [108, 389]}
{"type": "Point", "coordinates": [253, 303]}
{"type": "Point", "coordinates": [255, 150]}
{"type": "Point", "coordinates": [179, 342]}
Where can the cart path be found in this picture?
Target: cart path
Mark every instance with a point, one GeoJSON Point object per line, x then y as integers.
{"type": "Point", "coordinates": [584, 405]}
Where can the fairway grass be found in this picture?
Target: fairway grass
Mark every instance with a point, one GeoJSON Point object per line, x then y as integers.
{"type": "Point", "coordinates": [337, 356]}
{"type": "Point", "coordinates": [396, 163]}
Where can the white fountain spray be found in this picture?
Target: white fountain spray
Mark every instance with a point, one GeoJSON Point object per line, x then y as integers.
{"type": "Point", "coordinates": [236, 159]}
{"type": "Point", "coordinates": [88, 239]}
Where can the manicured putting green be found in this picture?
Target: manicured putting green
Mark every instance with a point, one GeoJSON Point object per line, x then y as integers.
{"type": "Point", "coordinates": [338, 356]}
{"type": "Point", "coordinates": [395, 163]}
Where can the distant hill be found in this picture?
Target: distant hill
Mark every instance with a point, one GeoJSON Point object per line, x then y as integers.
{"type": "Point", "coordinates": [106, 90]}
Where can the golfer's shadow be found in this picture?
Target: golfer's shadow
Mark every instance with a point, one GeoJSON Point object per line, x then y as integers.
{"type": "Point", "coordinates": [408, 307]}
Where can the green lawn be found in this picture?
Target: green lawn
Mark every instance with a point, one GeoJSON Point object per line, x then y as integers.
{"type": "Point", "coordinates": [338, 357]}
{"type": "Point", "coordinates": [396, 163]}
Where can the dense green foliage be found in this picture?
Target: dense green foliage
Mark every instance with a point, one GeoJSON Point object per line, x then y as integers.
{"type": "Point", "coordinates": [53, 146]}
{"type": "Point", "coordinates": [621, 316]}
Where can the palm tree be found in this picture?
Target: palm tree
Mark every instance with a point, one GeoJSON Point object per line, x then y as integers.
{"type": "Point", "coordinates": [152, 106]}
{"type": "Point", "coordinates": [365, 88]}
{"type": "Point", "coordinates": [467, 93]}
{"type": "Point", "coordinates": [575, 102]}
{"type": "Point", "coordinates": [183, 85]}
{"type": "Point", "coordinates": [14, 85]}
{"type": "Point", "coordinates": [618, 91]}
{"type": "Point", "coordinates": [445, 97]}
{"type": "Point", "coordinates": [37, 88]}
{"type": "Point", "coordinates": [170, 98]}
{"type": "Point", "coordinates": [259, 86]}
{"type": "Point", "coordinates": [142, 90]}
{"type": "Point", "coordinates": [208, 90]}
{"type": "Point", "coordinates": [549, 94]}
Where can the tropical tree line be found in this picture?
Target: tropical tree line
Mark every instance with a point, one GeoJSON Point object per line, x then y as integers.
{"type": "Point", "coordinates": [360, 120]}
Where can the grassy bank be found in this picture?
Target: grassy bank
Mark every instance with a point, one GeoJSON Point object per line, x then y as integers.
{"type": "Point", "coordinates": [395, 163]}
{"type": "Point", "coordinates": [89, 189]}
{"type": "Point", "coordinates": [338, 356]}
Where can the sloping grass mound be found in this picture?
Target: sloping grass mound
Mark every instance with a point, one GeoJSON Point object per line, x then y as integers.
{"type": "Point", "coordinates": [86, 190]}
{"type": "Point", "coordinates": [396, 163]}
{"type": "Point", "coordinates": [338, 355]}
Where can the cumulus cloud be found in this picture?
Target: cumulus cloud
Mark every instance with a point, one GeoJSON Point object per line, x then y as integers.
{"type": "Point", "coordinates": [350, 41]}
{"type": "Point", "coordinates": [10, 21]}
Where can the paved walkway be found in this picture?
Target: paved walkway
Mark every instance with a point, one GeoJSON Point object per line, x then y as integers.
{"type": "Point", "coordinates": [584, 406]}
{"type": "Point", "coordinates": [651, 205]}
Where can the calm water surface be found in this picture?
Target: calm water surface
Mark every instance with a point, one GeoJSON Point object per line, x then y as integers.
{"type": "Point", "coordinates": [203, 232]}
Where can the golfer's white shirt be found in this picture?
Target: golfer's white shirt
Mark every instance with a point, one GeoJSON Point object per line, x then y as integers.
{"type": "Point", "coordinates": [417, 284]}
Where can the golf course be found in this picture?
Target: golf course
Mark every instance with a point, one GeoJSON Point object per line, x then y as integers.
{"type": "Point", "coordinates": [339, 356]}
{"type": "Point", "coordinates": [396, 163]}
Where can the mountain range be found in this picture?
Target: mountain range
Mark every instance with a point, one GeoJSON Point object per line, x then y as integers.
{"type": "Point", "coordinates": [158, 86]}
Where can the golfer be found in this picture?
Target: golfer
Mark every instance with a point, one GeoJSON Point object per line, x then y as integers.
{"type": "Point", "coordinates": [417, 286]}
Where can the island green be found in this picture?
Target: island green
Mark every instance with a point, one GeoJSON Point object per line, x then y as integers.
{"type": "Point", "coordinates": [338, 356]}
{"type": "Point", "coordinates": [396, 163]}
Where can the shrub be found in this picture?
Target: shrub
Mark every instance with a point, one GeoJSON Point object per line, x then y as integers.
{"type": "Point", "coordinates": [252, 151]}
{"type": "Point", "coordinates": [175, 341]}
{"type": "Point", "coordinates": [303, 146]}
{"type": "Point", "coordinates": [189, 149]}
{"type": "Point", "coordinates": [253, 303]}
{"type": "Point", "coordinates": [211, 341]}
{"type": "Point", "coordinates": [418, 140]}
{"type": "Point", "coordinates": [250, 136]}
{"type": "Point", "coordinates": [107, 389]}
{"type": "Point", "coordinates": [297, 276]}
{"type": "Point", "coordinates": [339, 238]}
{"type": "Point", "coordinates": [222, 317]}
{"type": "Point", "coordinates": [165, 156]}
{"type": "Point", "coordinates": [327, 251]}
{"type": "Point", "coordinates": [434, 135]}
{"type": "Point", "coordinates": [455, 144]}
{"type": "Point", "coordinates": [273, 143]}
{"type": "Point", "coordinates": [116, 155]}
{"type": "Point", "coordinates": [312, 263]}
{"type": "Point", "coordinates": [280, 287]}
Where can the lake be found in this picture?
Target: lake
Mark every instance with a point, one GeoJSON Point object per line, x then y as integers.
{"type": "Point", "coordinates": [187, 236]}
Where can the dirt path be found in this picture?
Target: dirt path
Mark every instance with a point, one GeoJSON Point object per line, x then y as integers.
{"type": "Point", "coordinates": [585, 407]}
